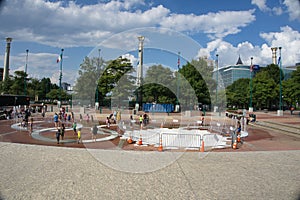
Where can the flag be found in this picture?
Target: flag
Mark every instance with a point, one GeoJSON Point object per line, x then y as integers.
{"type": "Point", "coordinates": [279, 59]}
{"type": "Point", "coordinates": [59, 58]}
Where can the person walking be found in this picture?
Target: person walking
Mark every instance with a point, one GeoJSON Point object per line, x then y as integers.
{"type": "Point", "coordinates": [94, 132]}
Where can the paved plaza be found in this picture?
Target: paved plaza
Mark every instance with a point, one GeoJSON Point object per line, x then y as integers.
{"type": "Point", "coordinates": [257, 170]}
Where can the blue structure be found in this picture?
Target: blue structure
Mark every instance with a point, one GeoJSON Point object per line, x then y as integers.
{"type": "Point", "coordinates": [149, 107]}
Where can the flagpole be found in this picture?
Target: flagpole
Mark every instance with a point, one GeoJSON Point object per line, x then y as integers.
{"type": "Point", "coordinates": [178, 81]}
{"type": "Point", "coordinates": [25, 75]}
{"type": "Point", "coordinates": [60, 76]}
{"type": "Point", "coordinates": [217, 77]}
{"type": "Point", "coordinates": [251, 69]}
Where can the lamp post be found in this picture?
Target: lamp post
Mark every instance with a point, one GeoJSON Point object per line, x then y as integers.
{"type": "Point", "coordinates": [25, 75]}
{"type": "Point", "coordinates": [280, 111]}
{"type": "Point", "coordinates": [250, 103]}
{"type": "Point", "coordinates": [178, 83]}
{"type": "Point", "coordinates": [60, 76]}
{"type": "Point", "coordinates": [97, 90]}
{"type": "Point", "coordinates": [217, 77]}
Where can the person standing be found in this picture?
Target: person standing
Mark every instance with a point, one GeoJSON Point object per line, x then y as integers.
{"type": "Point", "coordinates": [55, 118]}
{"type": "Point", "coordinates": [74, 126]}
{"type": "Point", "coordinates": [31, 125]}
{"type": "Point", "coordinates": [79, 136]}
{"type": "Point", "coordinates": [94, 132]}
{"type": "Point", "coordinates": [58, 135]}
{"type": "Point", "coordinates": [62, 131]}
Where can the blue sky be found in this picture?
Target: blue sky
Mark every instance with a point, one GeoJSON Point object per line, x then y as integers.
{"type": "Point", "coordinates": [195, 28]}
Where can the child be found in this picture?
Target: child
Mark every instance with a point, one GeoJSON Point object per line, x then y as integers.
{"type": "Point", "coordinates": [74, 127]}
{"type": "Point", "coordinates": [62, 131]}
{"type": "Point", "coordinates": [79, 135]}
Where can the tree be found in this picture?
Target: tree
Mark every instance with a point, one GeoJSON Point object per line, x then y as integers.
{"type": "Point", "coordinates": [199, 76]}
{"type": "Point", "coordinates": [116, 80]}
{"type": "Point", "coordinates": [54, 94]}
{"type": "Point", "coordinates": [17, 86]}
{"type": "Point", "coordinates": [85, 86]}
{"type": "Point", "coordinates": [291, 88]}
{"type": "Point", "coordinates": [159, 85]}
{"type": "Point", "coordinates": [238, 93]}
{"type": "Point", "coordinates": [265, 90]}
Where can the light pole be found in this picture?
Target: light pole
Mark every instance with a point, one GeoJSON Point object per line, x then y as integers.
{"type": "Point", "coordinates": [60, 76]}
{"type": "Point", "coordinates": [217, 77]}
{"type": "Point", "coordinates": [97, 90]}
{"type": "Point", "coordinates": [280, 112]}
{"type": "Point", "coordinates": [178, 83]}
{"type": "Point", "coordinates": [250, 103]}
{"type": "Point", "coordinates": [25, 75]}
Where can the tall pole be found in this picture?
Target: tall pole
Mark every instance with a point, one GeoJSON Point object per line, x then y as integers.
{"type": "Point", "coordinates": [97, 90]}
{"type": "Point", "coordinates": [60, 75]}
{"type": "Point", "coordinates": [250, 103]}
{"type": "Point", "coordinates": [6, 59]}
{"type": "Point", "coordinates": [25, 75]}
{"type": "Point", "coordinates": [280, 85]}
{"type": "Point", "coordinates": [217, 77]}
{"type": "Point", "coordinates": [178, 80]}
{"type": "Point", "coordinates": [140, 71]}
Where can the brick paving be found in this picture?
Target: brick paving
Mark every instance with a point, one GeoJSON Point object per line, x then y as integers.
{"type": "Point", "coordinates": [39, 170]}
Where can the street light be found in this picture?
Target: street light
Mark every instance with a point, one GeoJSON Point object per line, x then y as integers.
{"type": "Point", "coordinates": [25, 75]}
{"type": "Point", "coordinates": [97, 90]}
{"type": "Point", "coordinates": [251, 69]}
{"type": "Point", "coordinates": [280, 85]}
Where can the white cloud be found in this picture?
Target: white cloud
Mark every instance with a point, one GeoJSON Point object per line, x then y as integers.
{"type": "Point", "coordinates": [287, 38]}
{"type": "Point", "coordinates": [73, 25]}
{"type": "Point", "coordinates": [293, 7]}
{"type": "Point", "coordinates": [218, 24]}
{"type": "Point", "coordinates": [261, 4]}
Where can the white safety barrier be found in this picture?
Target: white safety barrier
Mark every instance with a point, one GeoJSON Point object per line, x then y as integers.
{"type": "Point", "coordinates": [179, 138]}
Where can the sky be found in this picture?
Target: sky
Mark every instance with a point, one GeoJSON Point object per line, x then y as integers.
{"type": "Point", "coordinates": [188, 29]}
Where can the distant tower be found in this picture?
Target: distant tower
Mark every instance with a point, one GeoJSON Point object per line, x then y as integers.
{"type": "Point", "coordinates": [140, 66]}
{"type": "Point", "coordinates": [6, 58]}
{"type": "Point", "coordinates": [274, 56]}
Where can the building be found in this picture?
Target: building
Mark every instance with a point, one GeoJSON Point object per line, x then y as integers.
{"type": "Point", "coordinates": [228, 74]}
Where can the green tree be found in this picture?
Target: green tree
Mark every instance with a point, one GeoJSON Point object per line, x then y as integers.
{"type": "Point", "coordinates": [17, 86]}
{"type": "Point", "coordinates": [54, 94]}
{"type": "Point", "coordinates": [85, 85]}
{"type": "Point", "coordinates": [116, 80]}
{"type": "Point", "coordinates": [159, 85]}
{"type": "Point", "coordinates": [291, 88]}
{"type": "Point", "coordinates": [238, 93]}
{"type": "Point", "coordinates": [265, 90]}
